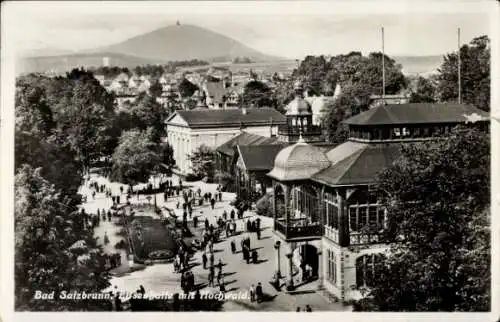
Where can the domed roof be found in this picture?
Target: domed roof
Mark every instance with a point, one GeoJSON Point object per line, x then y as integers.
{"type": "Point", "coordinates": [298, 106]}
{"type": "Point", "coordinates": [299, 162]}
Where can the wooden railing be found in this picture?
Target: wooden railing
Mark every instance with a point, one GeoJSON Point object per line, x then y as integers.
{"type": "Point", "coordinates": [296, 228]}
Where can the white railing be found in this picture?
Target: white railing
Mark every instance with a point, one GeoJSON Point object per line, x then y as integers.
{"type": "Point", "coordinates": [332, 233]}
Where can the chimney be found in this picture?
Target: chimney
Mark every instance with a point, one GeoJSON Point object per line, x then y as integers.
{"type": "Point", "coordinates": [244, 111]}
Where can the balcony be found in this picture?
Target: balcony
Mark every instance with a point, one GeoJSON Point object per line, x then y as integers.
{"type": "Point", "coordinates": [306, 130]}
{"type": "Point", "coordinates": [356, 238]}
{"type": "Point", "coordinates": [297, 229]}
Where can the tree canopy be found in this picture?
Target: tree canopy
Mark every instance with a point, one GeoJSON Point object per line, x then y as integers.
{"type": "Point", "coordinates": [437, 197]}
{"type": "Point", "coordinates": [136, 157]}
{"type": "Point", "coordinates": [203, 162]}
{"type": "Point", "coordinates": [424, 91]}
{"type": "Point", "coordinates": [186, 88]}
{"type": "Point", "coordinates": [145, 113]}
{"type": "Point", "coordinates": [257, 94]}
{"type": "Point", "coordinates": [475, 74]}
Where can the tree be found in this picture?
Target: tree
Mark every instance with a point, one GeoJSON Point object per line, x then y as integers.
{"type": "Point", "coordinates": [56, 162]}
{"type": "Point", "coordinates": [257, 94]}
{"type": "Point", "coordinates": [191, 104]}
{"type": "Point", "coordinates": [136, 157]}
{"type": "Point", "coordinates": [84, 114]}
{"type": "Point", "coordinates": [424, 92]}
{"type": "Point", "coordinates": [475, 74]}
{"type": "Point", "coordinates": [33, 113]}
{"type": "Point", "coordinates": [45, 228]}
{"type": "Point", "coordinates": [437, 197]}
{"type": "Point", "coordinates": [353, 100]}
{"type": "Point", "coordinates": [186, 88]}
{"type": "Point", "coordinates": [313, 71]}
{"type": "Point", "coordinates": [202, 162]}
{"type": "Point", "coordinates": [146, 112]}
{"type": "Point", "coordinates": [360, 78]}
{"type": "Point", "coordinates": [156, 89]}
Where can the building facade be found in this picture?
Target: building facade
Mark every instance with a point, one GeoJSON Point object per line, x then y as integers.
{"type": "Point", "coordinates": [188, 130]}
{"type": "Point", "coordinates": [325, 213]}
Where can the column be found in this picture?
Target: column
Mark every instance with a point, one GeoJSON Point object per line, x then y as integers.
{"type": "Point", "coordinates": [320, 270]}
{"type": "Point", "coordinates": [290, 286]}
{"type": "Point", "coordinates": [277, 246]}
{"type": "Point", "coordinates": [343, 218]}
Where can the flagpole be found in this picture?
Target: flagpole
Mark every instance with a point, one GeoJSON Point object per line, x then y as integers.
{"type": "Point", "coordinates": [459, 72]}
{"type": "Point", "coordinates": [383, 67]}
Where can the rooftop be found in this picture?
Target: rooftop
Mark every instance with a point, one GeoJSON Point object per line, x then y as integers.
{"type": "Point", "coordinates": [229, 117]}
{"type": "Point", "coordinates": [357, 163]}
{"type": "Point", "coordinates": [415, 113]}
{"type": "Point", "coordinates": [245, 139]}
{"type": "Point", "coordinates": [259, 157]}
{"type": "Point", "coordinates": [299, 162]}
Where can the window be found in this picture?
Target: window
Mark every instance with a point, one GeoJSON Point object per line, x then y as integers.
{"type": "Point", "coordinates": [406, 132]}
{"type": "Point", "coordinates": [396, 132]}
{"type": "Point", "coordinates": [368, 269]}
{"type": "Point", "coordinates": [332, 218]}
{"type": "Point", "coordinates": [331, 273]}
{"type": "Point", "coordinates": [362, 216]}
{"type": "Point", "coordinates": [353, 220]}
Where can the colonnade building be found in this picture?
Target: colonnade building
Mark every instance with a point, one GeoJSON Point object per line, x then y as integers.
{"type": "Point", "coordinates": [326, 215]}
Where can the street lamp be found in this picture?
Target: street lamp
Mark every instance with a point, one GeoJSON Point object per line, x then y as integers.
{"type": "Point", "coordinates": [277, 247]}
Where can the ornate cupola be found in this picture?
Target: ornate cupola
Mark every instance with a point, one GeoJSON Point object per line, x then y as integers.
{"type": "Point", "coordinates": [299, 120]}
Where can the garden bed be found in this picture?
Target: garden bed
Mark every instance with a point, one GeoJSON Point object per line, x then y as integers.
{"type": "Point", "coordinates": [151, 240]}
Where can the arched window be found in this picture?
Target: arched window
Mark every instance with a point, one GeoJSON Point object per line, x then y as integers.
{"type": "Point", "coordinates": [368, 268]}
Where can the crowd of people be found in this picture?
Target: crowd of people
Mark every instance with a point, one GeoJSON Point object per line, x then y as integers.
{"type": "Point", "coordinates": [225, 226]}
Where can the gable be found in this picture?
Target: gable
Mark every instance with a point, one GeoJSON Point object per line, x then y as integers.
{"type": "Point", "coordinates": [239, 163]}
{"type": "Point", "coordinates": [176, 119]}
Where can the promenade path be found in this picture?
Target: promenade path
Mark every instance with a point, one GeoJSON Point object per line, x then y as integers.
{"type": "Point", "coordinates": [239, 276]}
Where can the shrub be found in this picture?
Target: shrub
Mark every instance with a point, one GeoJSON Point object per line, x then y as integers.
{"type": "Point", "coordinates": [122, 244]}
{"type": "Point", "coordinates": [264, 205]}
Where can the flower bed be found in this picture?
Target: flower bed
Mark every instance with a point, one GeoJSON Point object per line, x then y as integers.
{"type": "Point", "coordinates": [151, 239]}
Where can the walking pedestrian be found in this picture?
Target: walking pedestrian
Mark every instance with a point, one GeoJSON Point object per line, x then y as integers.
{"type": "Point", "coordinates": [204, 259]}
{"type": "Point", "coordinates": [210, 279]}
{"type": "Point", "coordinates": [219, 265]}
{"type": "Point", "coordinates": [233, 247]}
{"type": "Point", "coordinates": [308, 308]}
{"type": "Point", "coordinates": [298, 309]}
{"type": "Point", "coordinates": [258, 292]}
{"type": "Point", "coordinates": [219, 277]}
{"type": "Point", "coordinates": [212, 203]}
{"type": "Point", "coordinates": [252, 293]}
{"type": "Point", "coordinates": [195, 221]}
{"type": "Point", "coordinates": [222, 285]}
{"type": "Point", "coordinates": [211, 259]}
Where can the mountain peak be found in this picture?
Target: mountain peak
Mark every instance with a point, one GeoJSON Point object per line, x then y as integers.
{"type": "Point", "coordinates": [184, 42]}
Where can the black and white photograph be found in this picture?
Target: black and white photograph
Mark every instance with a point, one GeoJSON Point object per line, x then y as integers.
{"type": "Point", "coordinates": [302, 156]}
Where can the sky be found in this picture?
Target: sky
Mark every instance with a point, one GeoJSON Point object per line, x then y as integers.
{"type": "Point", "coordinates": [286, 29]}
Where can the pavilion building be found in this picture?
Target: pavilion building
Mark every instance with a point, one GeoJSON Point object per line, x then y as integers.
{"type": "Point", "coordinates": [325, 213]}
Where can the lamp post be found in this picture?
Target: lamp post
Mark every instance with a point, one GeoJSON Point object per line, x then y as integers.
{"type": "Point", "coordinates": [277, 247]}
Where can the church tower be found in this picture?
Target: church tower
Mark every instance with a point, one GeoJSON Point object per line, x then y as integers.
{"type": "Point", "coordinates": [299, 120]}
